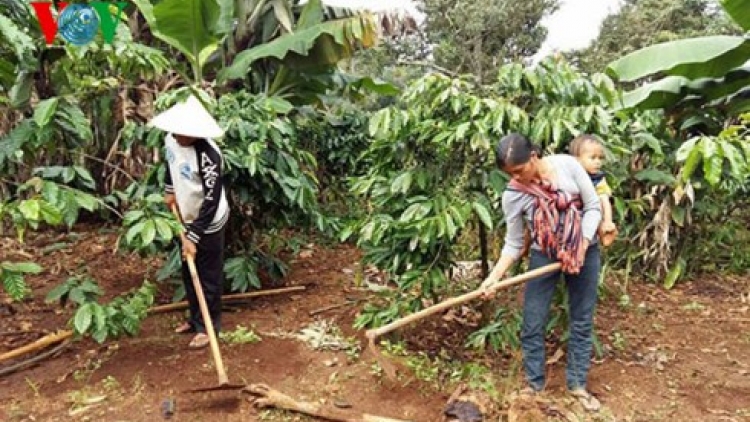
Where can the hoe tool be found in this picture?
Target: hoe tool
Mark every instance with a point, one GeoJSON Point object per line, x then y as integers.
{"type": "Point", "coordinates": [388, 367]}
{"type": "Point", "coordinates": [221, 372]}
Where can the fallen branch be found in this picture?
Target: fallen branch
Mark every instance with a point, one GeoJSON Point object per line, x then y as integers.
{"type": "Point", "coordinates": [39, 344]}
{"type": "Point", "coordinates": [702, 320]}
{"type": "Point", "coordinates": [64, 335]}
{"type": "Point", "coordinates": [20, 333]}
{"type": "Point", "coordinates": [430, 65]}
{"type": "Point", "coordinates": [332, 307]}
{"type": "Point", "coordinates": [268, 397]}
{"type": "Point", "coordinates": [28, 362]}
{"type": "Point", "coordinates": [239, 297]}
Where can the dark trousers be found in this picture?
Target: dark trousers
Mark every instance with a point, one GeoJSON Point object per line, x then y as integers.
{"type": "Point", "coordinates": [209, 261]}
{"type": "Point", "coordinates": [582, 295]}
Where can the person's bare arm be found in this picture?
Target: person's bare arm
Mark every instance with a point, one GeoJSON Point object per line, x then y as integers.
{"type": "Point", "coordinates": [606, 209]}
{"type": "Point", "coordinates": [607, 230]}
{"type": "Point", "coordinates": [499, 270]}
{"type": "Point", "coordinates": [514, 238]}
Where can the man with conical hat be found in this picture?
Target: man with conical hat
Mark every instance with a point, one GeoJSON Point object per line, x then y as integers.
{"type": "Point", "coordinates": [193, 181]}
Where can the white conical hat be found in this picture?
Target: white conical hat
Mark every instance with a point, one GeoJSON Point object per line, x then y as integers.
{"type": "Point", "coordinates": [188, 118]}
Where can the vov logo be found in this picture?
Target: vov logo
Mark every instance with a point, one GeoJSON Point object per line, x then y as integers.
{"type": "Point", "coordinates": [78, 23]}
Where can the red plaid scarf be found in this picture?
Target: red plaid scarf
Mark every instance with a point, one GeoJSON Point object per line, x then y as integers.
{"type": "Point", "coordinates": [560, 238]}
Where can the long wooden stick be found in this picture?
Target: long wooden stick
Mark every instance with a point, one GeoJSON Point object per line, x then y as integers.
{"type": "Point", "coordinates": [239, 297]}
{"type": "Point", "coordinates": [371, 334]}
{"type": "Point", "coordinates": [213, 342]}
{"type": "Point", "coordinates": [332, 307]}
{"type": "Point", "coordinates": [41, 343]}
{"type": "Point", "coordinates": [63, 335]}
{"type": "Point", "coordinates": [31, 361]}
{"type": "Point", "coordinates": [268, 397]}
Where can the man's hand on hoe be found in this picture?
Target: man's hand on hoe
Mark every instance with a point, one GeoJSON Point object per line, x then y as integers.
{"type": "Point", "coordinates": [188, 247]}
{"type": "Point", "coordinates": [170, 200]}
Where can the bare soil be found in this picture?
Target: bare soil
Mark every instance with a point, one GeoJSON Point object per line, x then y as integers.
{"type": "Point", "coordinates": [677, 355]}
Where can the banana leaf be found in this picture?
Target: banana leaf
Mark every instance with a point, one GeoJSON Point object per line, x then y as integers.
{"type": "Point", "coordinates": [675, 90]}
{"type": "Point", "coordinates": [321, 44]}
{"type": "Point", "coordinates": [187, 25]}
{"type": "Point", "coordinates": [693, 58]}
{"type": "Point", "coordinates": [739, 10]}
{"type": "Point", "coordinates": [660, 94]}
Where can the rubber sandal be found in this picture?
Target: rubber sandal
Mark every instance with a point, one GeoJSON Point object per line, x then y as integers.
{"type": "Point", "coordinates": [587, 400]}
{"type": "Point", "coordinates": [200, 341]}
{"type": "Point", "coordinates": [184, 328]}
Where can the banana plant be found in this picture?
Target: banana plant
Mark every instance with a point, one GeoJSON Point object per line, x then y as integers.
{"type": "Point", "coordinates": [683, 72]}
{"type": "Point", "coordinates": [247, 31]}
{"type": "Point", "coordinates": [698, 87]}
{"type": "Point", "coordinates": [739, 10]}
{"type": "Point", "coordinates": [314, 42]}
{"type": "Point", "coordinates": [193, 27]}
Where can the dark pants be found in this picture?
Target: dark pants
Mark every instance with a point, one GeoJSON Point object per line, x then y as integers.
{"type": "Point", "coordinates": [582, 294]}
{"type": "Point", "coordinates": [209, 261]}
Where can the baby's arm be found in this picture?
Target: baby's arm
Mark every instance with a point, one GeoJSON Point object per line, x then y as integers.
{"type": "Point", "coordinates": [605, 192]}
{"type": "Point", "coordinates": [607, 229]}
{"type": "Point", "coordinates": [606, 210]}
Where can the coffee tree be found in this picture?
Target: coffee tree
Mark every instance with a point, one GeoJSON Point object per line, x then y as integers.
{"type": "Point", "coordinates": [433, 174]}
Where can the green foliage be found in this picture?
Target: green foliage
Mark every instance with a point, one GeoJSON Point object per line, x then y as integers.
{"type": "Point", "coordinates": [38, 202]}
{"type": "Point", "coordinates": [500, 334]}
{"type": "Point", "coordinates": [148, 227]}
{"type": "Point", "coordinates": [701, 155]}
{"type": "Point", "coordinates": [330, 41]}
{"type": "Point", "coordinates": [242, 272]}
{"type": "Point", "coordinates": [240, 335]}
{"type": "Point", "coordinates": [336, 137]}
{"type": "Point", "coordinates": [264, 167]}
{"type": "Point", "coordinates": [18, 52]}
{"type": "Point", "coordinates": [82, 98]}
{"type": "Point", "coordinates": [69, 200]}
{"type": "Point", "coordinates": [77, 289]}
{"type": "Point", "coordinates": [189, 26]}
{"type": "Point", "coordinates": [121, 316]}
{"type": "Point", "coordinates": [12, 277]}
{"type": "Point", "coordinates": [271, 180]}
{"type": "Point", "coordinates": [692, 72]}
{"type": "Point", "coordinates": [638, 24]}
{"type": "Point", "coordinates": [441, 371]}
{"type": "Point", "coordinates": [372, 315]}
{"type": "Point", "coordinates": [264, 39]}
{"type": "Point", "coordinates": [57, 127]}
{"type": "Point", "coordinates": [692, 58]}
{"type": "Point", "coordinates": [432, 174]}
{"type": "Point", "coordinates": [42, 201]}
{"type": "Point", "coordinates": [739, 10]}
{"type": "Point", "coordinates": [69, 175]}
{"type": "Point", "coordinates": [500, 31]}
{"type": "Point", "coordinates": [722, 157]}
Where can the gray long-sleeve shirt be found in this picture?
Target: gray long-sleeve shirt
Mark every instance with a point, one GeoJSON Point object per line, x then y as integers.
{"type": "Point", "coordinates": [569, 177]}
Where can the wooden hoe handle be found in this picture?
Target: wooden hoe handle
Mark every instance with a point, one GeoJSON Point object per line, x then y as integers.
{"type": "Point", "coordinates": [220, 371]}
{"type": "Point", "coordinates": [372, 334]}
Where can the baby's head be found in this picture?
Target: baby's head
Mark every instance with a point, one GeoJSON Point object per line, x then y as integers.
{"type": "Point", "coordinates": [589, 150]}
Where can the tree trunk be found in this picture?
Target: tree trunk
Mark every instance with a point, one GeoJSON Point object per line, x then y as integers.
{"type": "Point", "coordinates": [478, 59]}
{"type": "Point", "coordinates": [483, 250]}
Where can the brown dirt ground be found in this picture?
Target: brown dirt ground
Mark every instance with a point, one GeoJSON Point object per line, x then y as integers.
{"type": "Point", "coordinates": [679, 355]}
